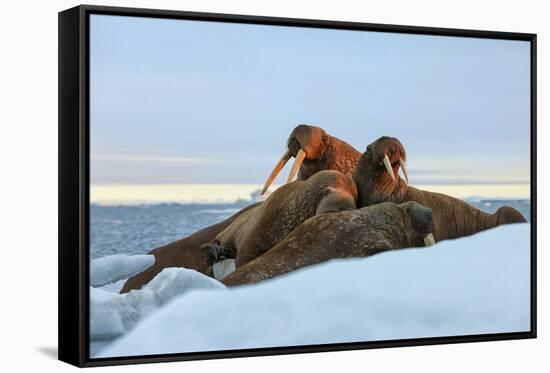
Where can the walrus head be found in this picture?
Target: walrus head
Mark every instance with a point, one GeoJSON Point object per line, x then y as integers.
{"type": "Point", "coordinates": [305, 143]}
{"type": "Point", "coordinates": [377, 171]}
{"type": "Point", "coordinates": [421, 223]}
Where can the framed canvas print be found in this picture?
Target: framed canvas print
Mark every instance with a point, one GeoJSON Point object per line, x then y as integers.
{"type": "Point", "coordinates": [234, 186]}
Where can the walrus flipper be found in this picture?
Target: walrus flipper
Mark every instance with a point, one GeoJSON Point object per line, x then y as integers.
{"type": "Point", "coordinates": [216, 252]}
{"type": "Point", "coordinates": [509, 215]}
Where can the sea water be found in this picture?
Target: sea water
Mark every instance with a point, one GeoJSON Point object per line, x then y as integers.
{"type": "Point", "coordinates": [137, 229]}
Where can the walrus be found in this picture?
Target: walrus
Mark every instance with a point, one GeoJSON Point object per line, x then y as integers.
{"type": "Point", "coordinates": [323, 152]}
{"type": "Point", "coordinates": [187, 253]}
{"type": "Point", "coordinates": [260, 228]}
{"type": "Point", "coordinates": [377, 180]}
{"type": "Point", "coordinates": [352, 233]}
{"type": "Point", "coordinates": [315, 150]}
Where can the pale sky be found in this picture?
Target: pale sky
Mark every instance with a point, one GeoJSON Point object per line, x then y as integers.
{"type": "Point", "coordinates": [175, 101]}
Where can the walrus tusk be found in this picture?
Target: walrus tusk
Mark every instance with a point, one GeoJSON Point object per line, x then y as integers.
{"type": "Point", "coordinates": [388, 167]}
{"type": "Point", "coordinates": [276, 171]}
{"type": "Point", "coordinates": [297, 163]}
{"type": "Point", "coordinates": [429, 240]}
{"type": "Point", "coordinates": [404, 168]}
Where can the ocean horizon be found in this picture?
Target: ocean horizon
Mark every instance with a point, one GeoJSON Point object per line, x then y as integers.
{"type": "Point", "coordinates": [133, 219]}
{"type": "Point", "coordinates": [130, 194]}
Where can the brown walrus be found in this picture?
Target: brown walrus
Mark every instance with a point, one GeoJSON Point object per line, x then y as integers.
{"type": "Point", "coordinates": [186, 253]}
{"type": "Point", "coordinates": [259, 229]}
{"type": "Point", "coordinates": [377, 180]}
{"type": "Point", "coordinates": [324, 152]}
{"type": "Point", "coordinates": [355, 233]}
{"type": "Point", "coordinates": [315, 150]}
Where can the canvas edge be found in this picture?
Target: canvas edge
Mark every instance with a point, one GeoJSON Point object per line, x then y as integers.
{"type": "Point", "coordinates": [69, 202]}
{"type": "Point", "coordinates": [73, 202]}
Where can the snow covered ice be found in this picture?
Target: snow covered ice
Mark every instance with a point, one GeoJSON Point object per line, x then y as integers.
{"type": "Point", "coordinates": [113, 314]}
{"type": "Point", "coordinates": [473, 285]}
{"type": "Point", "coordinates": [113, 268]}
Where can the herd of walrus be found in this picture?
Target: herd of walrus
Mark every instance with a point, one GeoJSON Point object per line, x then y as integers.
{"type": "Point", "coordinates": [343, 204]}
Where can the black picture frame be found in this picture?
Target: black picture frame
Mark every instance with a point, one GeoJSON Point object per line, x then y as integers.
{"type": "Point", "coordinates": [74, 176]}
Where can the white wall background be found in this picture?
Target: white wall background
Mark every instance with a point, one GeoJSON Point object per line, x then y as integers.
{"type": "Point", "coordinates": [28, 187]}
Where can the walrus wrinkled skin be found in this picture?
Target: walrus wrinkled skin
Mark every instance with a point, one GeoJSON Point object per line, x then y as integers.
{"type": "Point", "coordinates": [186, 253]}
{"type": "Point", "coordinates": [452, 217]}
{"type": "Point", "coordinates": [315, 150]}
{"type": "Point", "coordinates": [259, 229]}
{"type": "Point", "coordinates": [324, 152]}
{"type": "Point", "coordinates": [356, 233]}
